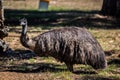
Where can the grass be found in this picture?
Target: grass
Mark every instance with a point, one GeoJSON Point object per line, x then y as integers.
{"type": "Point", "coordinates": [112, 71]}
{"type": "Point", "coordinates": [57, 70]}
{"type": "Point", "coordinates": [108, 39]}
{"type": "Point", "coordinates": [82, 13]}
{"type": "Point", "coordinates": [55, 5]}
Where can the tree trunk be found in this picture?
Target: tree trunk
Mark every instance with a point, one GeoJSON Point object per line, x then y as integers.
{"type": "Point", "coordinates": [3, 29]}
{"type": "Point", "coordinates": [1, 10]}
{"type": "Point", "coordinates": [111, 7]}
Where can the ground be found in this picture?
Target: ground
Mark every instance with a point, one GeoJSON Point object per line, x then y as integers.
{"type": "Point", "coordinates": [48, 68]}
{"type": "Point", "coordinates": [23, 64]}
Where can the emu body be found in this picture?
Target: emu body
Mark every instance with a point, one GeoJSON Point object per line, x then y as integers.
{"type": "Point", "coordinates": [71, 45]}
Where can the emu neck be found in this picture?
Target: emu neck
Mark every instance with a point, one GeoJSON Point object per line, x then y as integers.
{"type": "Point", "coordinates": [25, 40]}
{"type": "Point", "coordinates": [24, 29]}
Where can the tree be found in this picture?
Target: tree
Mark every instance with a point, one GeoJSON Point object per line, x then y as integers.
{"type": "Point", "coordinates": [3, 29]}
{"type": "Point", "coordinates": [111, 7]}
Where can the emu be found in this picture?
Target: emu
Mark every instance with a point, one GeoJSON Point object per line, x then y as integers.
{"type": "Point", "coordinates": [71, 45]}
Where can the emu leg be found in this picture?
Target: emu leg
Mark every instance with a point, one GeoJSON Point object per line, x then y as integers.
{"type": "Point", "coordinates": [69, 66]}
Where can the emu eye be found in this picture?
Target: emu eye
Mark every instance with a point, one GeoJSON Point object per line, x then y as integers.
{"type": "Point", "coordinates": [27, 38]}
{"type": "Point", "coordinates": [22, 23]}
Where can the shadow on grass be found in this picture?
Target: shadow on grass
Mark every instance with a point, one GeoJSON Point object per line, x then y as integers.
{"type": "Point", "coordinates": [18, 54]}
{"type": "Point", "coordinates": [33, 67]}
{"type": "Point", "coordinates": [94, 78]}
{"type": "Point", "coordinates": [40, 67]}
{"type": "Point", "coordinates": [84, 72]}
{"type": "Point", "coordinates": [111, 52]}
{"type": "Point", "coordinates": [114, 61]}
{"type": "Point", "coordinates": [49, 19]}
{"type": "Point", "coordinates": [43, 67]}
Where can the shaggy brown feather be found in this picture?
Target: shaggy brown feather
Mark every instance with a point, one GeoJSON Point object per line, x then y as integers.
{"type": "Point", "coordinates": [71, 45]}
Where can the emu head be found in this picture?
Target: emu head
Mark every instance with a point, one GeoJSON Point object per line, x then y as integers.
{"type": "Point", "coordinates": [23, 23]}
{"type": "Point", "coordinates": [25, 40]}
